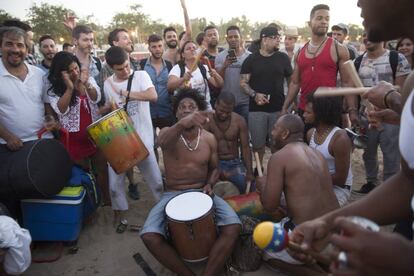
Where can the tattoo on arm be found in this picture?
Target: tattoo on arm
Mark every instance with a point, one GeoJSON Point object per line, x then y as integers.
{"type": "Point", "coordinates": [244, 83]}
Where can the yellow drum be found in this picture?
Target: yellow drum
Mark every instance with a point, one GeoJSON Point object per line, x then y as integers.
{"type": "Point", "coordinates": [116, 136]}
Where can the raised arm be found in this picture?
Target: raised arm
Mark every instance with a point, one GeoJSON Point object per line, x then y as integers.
{"type": "Point", "coordinates": [188, 29]}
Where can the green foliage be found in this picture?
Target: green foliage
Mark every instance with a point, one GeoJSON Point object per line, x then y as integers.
{"type": "Point", "coordinates": [48, 19]}
{"type": "Point", "coordinates": [4, 16]}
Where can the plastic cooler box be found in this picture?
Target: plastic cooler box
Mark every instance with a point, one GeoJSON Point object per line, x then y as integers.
{"type": "Point", "coordinates": [55, 219]}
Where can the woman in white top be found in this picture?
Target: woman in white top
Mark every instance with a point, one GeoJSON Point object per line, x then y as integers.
{"type": "Point", "coordinates": [195, 79]}
{"type": "Point", "coordinates": [331, 141]}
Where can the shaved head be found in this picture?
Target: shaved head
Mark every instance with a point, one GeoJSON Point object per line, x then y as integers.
{"type": "Point", "coordinates": [293, 123]}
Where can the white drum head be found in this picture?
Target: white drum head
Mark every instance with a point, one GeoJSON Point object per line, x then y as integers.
{"type": "Point", "coordinates": [188, 206]}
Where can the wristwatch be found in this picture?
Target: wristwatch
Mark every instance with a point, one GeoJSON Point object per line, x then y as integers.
{"type": "Point", "coordinates": [253, 95]}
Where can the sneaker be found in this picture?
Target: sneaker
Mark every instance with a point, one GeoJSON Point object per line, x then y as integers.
{"type": "Point", "coordinates": [366, 188]}
{"type": "Point", "coordinates": [133, 191]}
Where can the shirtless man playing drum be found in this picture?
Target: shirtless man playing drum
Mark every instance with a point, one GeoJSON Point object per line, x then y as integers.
{"type": "Point", "coordinates": [190, 159]}
{"type": "Point", "coordinates": [232, 134]}
{"type": "Point", "coordinates": [301, 173]}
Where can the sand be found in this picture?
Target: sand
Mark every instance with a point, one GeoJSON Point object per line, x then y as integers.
{"type": "Point", "coordinates": [101, 251]}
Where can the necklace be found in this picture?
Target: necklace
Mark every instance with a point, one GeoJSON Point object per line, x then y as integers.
{"type": "Point", "coordinates": [314, 53]}
{"type": "Point", "coordinates": [188, 144]}
{"type": "Point", "coordinates": [320, 138]}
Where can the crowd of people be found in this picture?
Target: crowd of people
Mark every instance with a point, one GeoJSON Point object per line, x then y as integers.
{"type": "Point", "coordinates": [208, 108]}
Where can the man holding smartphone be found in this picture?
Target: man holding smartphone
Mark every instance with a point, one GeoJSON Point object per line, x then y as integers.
{"type": "Point", "coordinates": [262, 76]}
{"type": "Point", "coordinates": [228, 65]}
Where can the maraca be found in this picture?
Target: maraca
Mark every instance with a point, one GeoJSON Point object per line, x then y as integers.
{"type": "Point", "coordinates": [273, 237]}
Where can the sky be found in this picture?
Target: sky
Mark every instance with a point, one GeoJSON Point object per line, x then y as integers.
{"type": "Point", "coordinates": [289, 12]}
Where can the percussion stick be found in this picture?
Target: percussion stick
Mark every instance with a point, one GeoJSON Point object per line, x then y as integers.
{"type": "Point", "coordinates": [341, 91]}
{"type": "Point", "coordinates": [353, 74]}
{"type": "Point", "coordinates": [248, 184]}
{"type": "Point", "coordinates": [258, 165]}
{"type": "Point", "coordinates": [200, 54]}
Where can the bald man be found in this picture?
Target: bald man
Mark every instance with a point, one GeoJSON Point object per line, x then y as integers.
{"type": "Point", "coordinates": [289, 171]}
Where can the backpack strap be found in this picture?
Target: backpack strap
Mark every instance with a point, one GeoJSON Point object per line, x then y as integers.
{"type": "Point", "coordinates": [357, 62]}
{"type": "Point", "coordinates": [129, 90]}
{"type": "Point", "coordinates": [142, 63]}
{"type": "Point", "coordinates": [169, 65]}
{"type": "Point", "coordinates": [394, 62]}
{"type": "Point", "coordinates": [98, 63]}
{"type": "Point", "coordinates": [202, 70]}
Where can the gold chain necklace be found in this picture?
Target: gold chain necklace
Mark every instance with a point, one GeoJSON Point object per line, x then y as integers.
{"type": "Point", "coordinates": [320, 139]}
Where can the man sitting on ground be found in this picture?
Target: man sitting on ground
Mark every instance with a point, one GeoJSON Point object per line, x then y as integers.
{"type": "Point", "coordinates": [230, 130]}
{"type": "Point", "coordinates": [301, 173]}
{"type": "Point", "coordinates": [190, 159]}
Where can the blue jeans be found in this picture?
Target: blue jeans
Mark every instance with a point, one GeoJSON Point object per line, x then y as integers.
{"type": "Point", "coordinates": [237, 170]}
{"type": "Point", "coordinates": [243, 110]}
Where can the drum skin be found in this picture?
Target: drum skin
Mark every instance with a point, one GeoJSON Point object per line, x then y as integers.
{"type": "Point", "coordinates": [40, 169]}
{"type": "Point", "coordinates": [193, 239]}
{"type": "Point", "coordinates": [116, 136]}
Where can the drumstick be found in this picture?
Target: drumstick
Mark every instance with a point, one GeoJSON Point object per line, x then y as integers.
{"type": "Point", "coordinates": [353, 74]}
{"type": "Point", "coordinates": [195, 64]}
{"type": "Point", "coordinates": [248, 184]}
{"type": "Point", "coordinates": [340, 91]}
{"type": "Point", "coordinates": [258, 165]}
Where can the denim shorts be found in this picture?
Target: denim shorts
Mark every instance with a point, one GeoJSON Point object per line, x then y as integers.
{"type": "Point", "coordinates": [156, 221]}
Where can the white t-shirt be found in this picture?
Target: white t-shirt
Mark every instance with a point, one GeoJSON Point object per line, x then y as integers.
{"type": "Point", "coordinates": [139, 111]}
{"type": "Point", "coordinates": [22, 103]}
{"type": "Point", "coordinates": [196, 82]}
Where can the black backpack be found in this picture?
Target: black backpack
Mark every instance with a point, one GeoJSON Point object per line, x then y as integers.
{"type": "Point", "coordinates": [98, 63]}
{"type": "Point", "coordinates": [142, 63]}
{"type": "Point", "coordinates": [200, 66]}
{"type": "Point", "coordinates": [393, 62]}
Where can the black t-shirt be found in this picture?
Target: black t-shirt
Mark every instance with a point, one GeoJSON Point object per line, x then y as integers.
{"type": "Point", "coordinates": [266, 76]}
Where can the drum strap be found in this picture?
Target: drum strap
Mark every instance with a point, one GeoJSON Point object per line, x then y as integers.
{"type": "Point", "coordinates": [131, 77]}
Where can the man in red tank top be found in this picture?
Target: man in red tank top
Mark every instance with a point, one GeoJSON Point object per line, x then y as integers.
{"type": "Point", "coordinates": [318, 62]}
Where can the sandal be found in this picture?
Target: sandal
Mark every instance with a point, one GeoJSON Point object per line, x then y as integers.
{"type": "Point", "coordinates": [134, 227]}
{"type": "Point", "coordinates": [122, 226]}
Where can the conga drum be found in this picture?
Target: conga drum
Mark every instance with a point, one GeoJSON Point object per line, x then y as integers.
{"type": "Point", "coordinates": [116, 136]}
{"type": "Point", "coordinates": [191, 225]}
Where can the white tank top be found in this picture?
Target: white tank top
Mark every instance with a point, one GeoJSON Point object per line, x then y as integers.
{"type": "Point", "coordinates": [407, 132]}
{"type": "Point", "coordinates": [324, 150]}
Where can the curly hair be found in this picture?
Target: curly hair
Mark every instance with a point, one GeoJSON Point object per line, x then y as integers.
{"type": "Point", "coordinates": [61, 62]}
{"type": "Point", "coordinates": [192, 94]}
{"type": "Point", "coordinates": [328, 110]}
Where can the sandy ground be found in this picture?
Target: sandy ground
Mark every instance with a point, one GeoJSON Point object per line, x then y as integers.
{"type": "Point", "coordinates": [104, 252]}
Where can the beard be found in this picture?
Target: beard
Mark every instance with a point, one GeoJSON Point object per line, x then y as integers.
{"type": "Point", "coordinates": [172, 44]}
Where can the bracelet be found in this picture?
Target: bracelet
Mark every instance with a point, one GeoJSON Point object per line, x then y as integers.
{"type": "Point", "coordinates": [385, 98]}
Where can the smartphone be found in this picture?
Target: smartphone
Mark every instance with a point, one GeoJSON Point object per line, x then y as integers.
{"type": "Point", "coordinates": [232, 54]}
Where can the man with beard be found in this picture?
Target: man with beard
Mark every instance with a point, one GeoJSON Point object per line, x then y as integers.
{"type": "Point", "coordinates": [232, 135]}
{"type": "Point", "coordinates": [83, 39]}
{"type": "Point", "coordinates": [172, 53]}
{"type": "Point", "coordinates": [229, 68]}
{"type": "Point", "coordinates": [361, 251]}
{"type": "Point", "coordinates": [261, 77]}
{"type": "Point", "coordinates": [48, 49]}
{"type": "Point", "coordinates": [190, 159]}
{"type": "Point", "coordinates": [290, 170]}
{"type": "Point", "coordinates": [317, 64]}
{"type": "Point", "coordinates": [23, 100]}
{"type": "Point", "coordinates": [158, 69]}
{"type": "Point", "coordinates": [211, 38]}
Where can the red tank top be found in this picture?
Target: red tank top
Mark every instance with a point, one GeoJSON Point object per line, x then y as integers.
{"type": "Point", "coordinates": [315, 72]}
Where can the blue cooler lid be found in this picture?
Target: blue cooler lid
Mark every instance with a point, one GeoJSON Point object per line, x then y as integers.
{"type": "Point", "coordinates": [68, 195]}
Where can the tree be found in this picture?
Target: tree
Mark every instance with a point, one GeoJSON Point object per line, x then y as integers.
{"type": "Point", "coordinates": [4, 16]}
{"type": "Point", "coordinates": [48, 19]}
{"type": "Point", "coordinates": [135, 21]}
